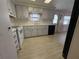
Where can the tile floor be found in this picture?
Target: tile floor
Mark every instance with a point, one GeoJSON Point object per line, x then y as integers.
{"type": "Point", "coordinates": [60, 37]}
{"type": "Point", "coordinates": [43, 47]}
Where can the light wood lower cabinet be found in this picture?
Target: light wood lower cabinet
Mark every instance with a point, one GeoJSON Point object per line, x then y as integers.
{"type": "Point", "coordinates": [27, 31]}
{"type": "Point", "coordinates": [34, 31]}
{"type": "Point", "coordinates": [30, 31]}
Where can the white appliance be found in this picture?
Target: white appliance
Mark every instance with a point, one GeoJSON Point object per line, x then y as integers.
{"type": "Point", "coordinates": [20, 35]}
{"type": "Point", "coordinates": [15, 38]}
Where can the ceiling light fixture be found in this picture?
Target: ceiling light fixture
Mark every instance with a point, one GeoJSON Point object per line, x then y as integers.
{"type": "Point", "coordinates": [47, 1]}
{"type": "Point", "coordinates": [33, 0]}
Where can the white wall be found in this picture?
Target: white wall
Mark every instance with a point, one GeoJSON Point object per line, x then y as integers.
{"type": "Point", "coordinates": [74, 48]}
{"type": "Point", "coordinates": [7, 48]}
{"type": "Point", "coordinates": [61, 26]}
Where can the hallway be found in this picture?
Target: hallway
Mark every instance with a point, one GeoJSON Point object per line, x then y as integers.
{"type": "Point", "coordinates": [43, 47]}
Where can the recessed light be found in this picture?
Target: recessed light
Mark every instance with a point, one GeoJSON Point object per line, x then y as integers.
{"type": "Point", "coordinates": [47, 1]}
{"type": "Point", "coordinates": [32, 0]}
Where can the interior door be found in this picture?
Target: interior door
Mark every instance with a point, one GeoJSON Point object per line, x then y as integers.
{"type": "Point", "coordinates": [34, 30]}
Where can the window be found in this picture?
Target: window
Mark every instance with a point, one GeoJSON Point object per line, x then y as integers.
{"type": "Point", "coordinates": [66, 20]}
{"type": "Point", "coordinates": [35, 16]}
{"type": "Point", "coordinates": [55, 19]}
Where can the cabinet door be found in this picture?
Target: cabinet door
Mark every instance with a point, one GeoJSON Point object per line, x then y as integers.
{"type": "Point", "coordinates": [27, 31]}
{"type": "Point", "coordinates": [30, 31]}
{"type": "Point", "coordinates": [34, 31]}
{"type": "Point", "coordinates": [11, 8]}
{"type": "Point", "coordinates": [19, 12]}
{"type": "Point", "coordinates": [39, 31]}
{"type": "Point", "coordinates": [42, 30]}
{"type": "Point", "coordinates": [24, 30]}
{"type": "Point", "coordinates": [45, 30]}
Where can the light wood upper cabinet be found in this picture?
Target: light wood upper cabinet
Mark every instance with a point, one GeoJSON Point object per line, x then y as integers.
{"type": "Point", "coordinates": [22, 12]}
{"type": "Point", "coordinates": [11, 8]}
{"type": "Point", "coordinates": [19, 12]}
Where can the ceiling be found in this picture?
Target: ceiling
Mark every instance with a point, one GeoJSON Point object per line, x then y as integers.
{"type": "Point", "coordinates": [58, 4]}
{"type": "Point", "coordinates": [37, 3]}
{"type": "Point", "coordinates": [64, 4]}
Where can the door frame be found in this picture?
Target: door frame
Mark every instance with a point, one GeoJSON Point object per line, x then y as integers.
{"type": "Point", "coordinates": [71, 29]}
